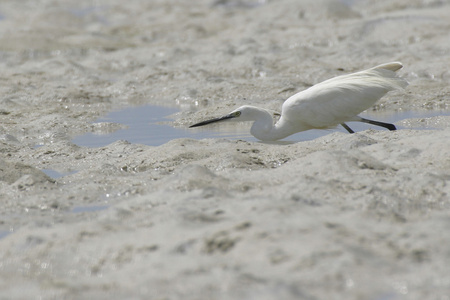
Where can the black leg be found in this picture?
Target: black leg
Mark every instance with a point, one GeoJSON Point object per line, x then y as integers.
{"type": "Point", "coordinates": [347, 128]}
{"type": "Point", "coordinates": [377, 123]}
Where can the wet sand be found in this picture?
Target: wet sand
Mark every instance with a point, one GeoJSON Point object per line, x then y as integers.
{"type": "Point", "coordinates": [362, 216]}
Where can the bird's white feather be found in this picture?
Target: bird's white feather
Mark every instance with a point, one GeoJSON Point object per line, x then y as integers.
{"type": "Point", "coordinates": [341, 98]}
{"type": "Point", "coordinates": [392, 66]}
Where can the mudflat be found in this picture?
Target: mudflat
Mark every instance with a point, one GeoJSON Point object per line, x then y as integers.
{"type": "Point", "coordinates": [341, 216]}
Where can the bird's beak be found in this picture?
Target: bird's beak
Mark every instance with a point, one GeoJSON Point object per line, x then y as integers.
{"type": "Point", "coordinates": [230, 116]}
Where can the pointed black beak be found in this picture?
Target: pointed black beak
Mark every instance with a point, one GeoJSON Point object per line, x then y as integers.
{"type": "Point", "coordinates": [213, 121]}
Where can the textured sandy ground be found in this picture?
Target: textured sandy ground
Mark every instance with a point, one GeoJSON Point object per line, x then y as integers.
{"type": "Point", "coordinates": [363, 216]}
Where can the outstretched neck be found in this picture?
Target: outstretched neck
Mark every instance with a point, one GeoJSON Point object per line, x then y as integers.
{"type": "Point", "coordinates": [264, 129]}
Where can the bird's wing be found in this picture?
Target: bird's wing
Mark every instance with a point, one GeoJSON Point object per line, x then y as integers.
{"type": "Point", "coordinates": [392, 66]}
{"type": "Point", "coordinates": [341, 98]}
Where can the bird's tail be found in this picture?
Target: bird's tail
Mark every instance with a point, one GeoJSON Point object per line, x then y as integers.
{"type": "Point", "coordinates": [387, 75]}
{"type": "Point", "coordinates": [392, 66]}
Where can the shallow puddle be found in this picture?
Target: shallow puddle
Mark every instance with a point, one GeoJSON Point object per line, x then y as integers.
{"type": "Point", "coordinates": [55, 174]}
{"type": "Point", "coordinates": [4, 233]}
{"type": "Point", "coordinates": [143, 126]}
{"type": "Point", "coordinates": [88, 208]}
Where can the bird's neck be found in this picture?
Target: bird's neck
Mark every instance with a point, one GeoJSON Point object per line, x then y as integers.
{"type": "Point", "coordinates": [264, 129]}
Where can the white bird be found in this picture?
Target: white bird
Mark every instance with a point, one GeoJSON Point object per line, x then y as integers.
{"type": "Point", "coordinates": [324, 105]}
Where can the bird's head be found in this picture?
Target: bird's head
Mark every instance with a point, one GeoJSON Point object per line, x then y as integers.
{"type": "Point", "coordinates": [241, 114]}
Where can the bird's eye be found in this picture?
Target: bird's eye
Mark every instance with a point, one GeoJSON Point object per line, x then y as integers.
{"type": "Point", "coordinates": [237, 114]}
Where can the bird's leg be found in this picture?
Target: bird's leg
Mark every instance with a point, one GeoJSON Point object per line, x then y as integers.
{"type": "Point", "coordinates": [377, 123]}
{"type": "Point", "coordinates": [347, 128]}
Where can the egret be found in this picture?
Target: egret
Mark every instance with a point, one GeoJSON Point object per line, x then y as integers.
{"type": "Point", "coordinates": [322, 106]}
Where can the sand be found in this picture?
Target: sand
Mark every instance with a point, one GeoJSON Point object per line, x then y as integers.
{"type": "Point", "coordinates": [361, 216]}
